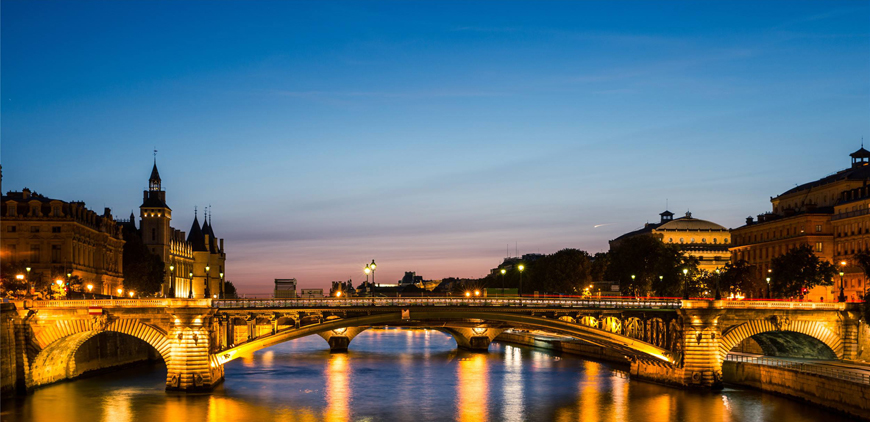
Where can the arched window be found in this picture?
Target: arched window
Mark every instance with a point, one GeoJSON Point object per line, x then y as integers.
{"type": "Point", "coordinates": [681, 240]}
{"type": "Point", "coordinates": [704, 240]}
{"type": "Point", "coordinates": [715, 241]}
{"type": "Point", "coordinates": [693, 240]}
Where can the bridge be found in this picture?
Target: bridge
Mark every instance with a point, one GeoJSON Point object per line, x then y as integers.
{"type": "Point", "coordinates": [679, 342]}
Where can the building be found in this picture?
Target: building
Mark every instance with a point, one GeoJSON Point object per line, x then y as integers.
{"type": "Point", "coordinates": [311, 294]}
{"type": "Point", "coordinates": [830, 214]}
{"type": "Point", "coordinates": [56, 238]}
{"type": "Point", "coordinates": [195, 265]}
{"type": "Point", "coordinates": [702, 239]}
{"type": "Point", "coordinates": [285, 288]}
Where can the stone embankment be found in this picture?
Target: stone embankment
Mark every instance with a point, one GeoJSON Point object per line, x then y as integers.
{"type": "Point", "coordinates": [846, 396]}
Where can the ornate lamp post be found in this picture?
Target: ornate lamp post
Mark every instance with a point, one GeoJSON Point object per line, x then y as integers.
{"type": "Point", "coordinates": [372, 267]}
{"type": "Point", "coordinates": [718, 292]}
{"type": "Point", "coordinates": [190, 285]}
{"type": "Point", "coordinates": [171, 292]}
{"type": "Point", "coordinates": [685, 284]}
{"type": "Point", "coordinates": [634, 287]}
{"type": "Point", "coordinates": [222, 286]}
{"type": "Point", "coordinates": [205, 291]}
{"type": "Point", "coordinates": [521, 267]}
{"type": "Point", "coordinates": [768, 288]}
{"type": "Point", "coordinates": [68, 284]}
{"type": "Point", "coordinates": [503, 271]}
{"type": "Point", "coordinates": [842, 297]}
{"type": "Point", "coordinates": [29, 284]}
{"type": "Point", "coordinates": [90, 290]}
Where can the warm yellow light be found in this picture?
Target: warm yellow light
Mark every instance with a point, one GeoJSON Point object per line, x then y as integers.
{"type": "Point", "coordinates": [207, 268]}
{"type": "Point", "coordinates": [768, 280]}
{"type": "Point", "coordinates": [685, 271]}
{"type": "Point", "coordinates": [373, 265]}
{"type": "Point", "coordinates": [120, 291]}
{"type": "Point", "coordinates": [59, 282]}
{"type": "Point", "coordinates": [503, 270]}
{"type": "Point", "coordinates": [843, 263]}
{"type": "Point", "coordinates": [477, 292]}
{"type": "Point", "coordinates": [338, 294]}
{"type": "Point", "coordinates": [841, 273]}
{"type": "Point", "coordinates": [521, 267]}
{"type": "Point", "coordinates": [214, 296]}
{"type": "Point", "coordinates": [172, 268]}
{"type": "Point", "coordinates": [27, 269]}
{"type": "Point", "coordinates": [222, 275]}
{"type": "Point", "coordinates": [90, 287]}
{"type": "Point", "coordinates": [367, 270]}
{"type": "Point", "coordinates": [131, 294]}
{"type": "Point", "coordinates": [68, 275]}
{"type": "Point", "coordinates": [632, 276]}
{"type": "Point", "coordinates": [467, 294]}
{"type": "Point", "coordinates": [19, 277]}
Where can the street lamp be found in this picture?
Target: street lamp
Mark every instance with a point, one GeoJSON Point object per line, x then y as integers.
{"type": "Point", "coordinates": [59, 283]}
{"type": "Point", "coordinates": [171, 292]}
{"type": "Point", "coordinates": [477, 293]}
{"type": "Point", "coordinates": [842, 297]}
{"type": "Point", "coordinates": [521, 267]}
{"type": "Point", "coordinates": [90, 289]}
{"type": "Point", "coordinates": [222, 286]}
{"type": "Point", "coordinates": [206, 291]}
{"type": "Point", "coordinates": [634, 286]}
{"type": "Point", "coordinates": [503, 271]}
{"type": "Point", "coordinates": [190, 286]}
{"type": "Point", "coordinates": [718, 292]}
{"type": "Point", "coordinates": [685, 284]}
{"type": "Point", "coordinates": [29, 284]}
{"type": "Point", "coordinates": [372, 268]}
{"type": "Point", "coordinates": [768, 287]}
{"type": "Point", "coordinates": [131, 294]}
{"type": "Point", "coordinates": [120, 292]}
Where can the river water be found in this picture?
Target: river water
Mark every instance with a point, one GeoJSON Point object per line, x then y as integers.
{"type": "Point", "coordinates": [401, 375]}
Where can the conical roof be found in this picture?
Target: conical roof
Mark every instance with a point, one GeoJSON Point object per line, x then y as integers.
{"type": "Point", "coordinates": [196, 238]}
{"type": "Point", "coordinates": [155, 175]}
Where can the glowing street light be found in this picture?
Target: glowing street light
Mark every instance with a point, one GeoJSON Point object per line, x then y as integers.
{"type": "Point", "coordinates": [222, 285]}
{"type": "Point", "coordinates": [477, 292]}
{"type": "Point", "coordinates": [842, 297]}
{"type": "Point", "coordinates": [121, 292]}
{"type": "Point", "coordinates": [768, 286]}
{"type": "Point", "coordinates": [467, 294]}
{"type": "Point", "coordinates": [19, 277]}
{"type": "Point", "coordinates": [171, 292]}
{"type": "Point", "coordinates": [503, 272]}
{"type": "Point", "coordinates": [521, 267]}
{"type": "Point", "coordinates": [190, 284]}
{"type": "Point", "coordinates": [131, 294]}
{"type": "Point", "coordinates": [686, 284]}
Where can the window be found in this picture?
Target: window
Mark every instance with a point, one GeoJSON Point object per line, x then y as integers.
{"type": "Point", "coordinates": [818, 228]}
{"type": "Point", "coordinates": [34, 254]}
{"type": "Point", "coordinates": [34, 229]}
{"type": "Point", "coordinates": [55, 229]}
{"type": "Point", "coordinates": [681, 240]}
{"type": "Point", "coordinates": [715, 241]}
{"type": "Point", "coordinates": [671, 240]}
{"type": "Point", "coordinates": [55, 253]}
{"type": "Point", "coordinates": [12, 229]}
{"type": "Point", "coordinates": [693, 240]}
{"type": "Point", "coordinates": [818, 246]}
{"type": "Point", "coordinates": [704, 240]}
{"type": "Point", "coordinates": [726, 240]}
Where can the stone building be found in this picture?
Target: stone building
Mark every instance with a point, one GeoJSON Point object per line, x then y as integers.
{"type": "Point", "coordinates": [56, 238]}
{"type": "Point", "coordinates": [829, 214]}
{"type": "Point", "coordinates": [195, 264]}
{"type": "Point", "coordinates": [702, 239]}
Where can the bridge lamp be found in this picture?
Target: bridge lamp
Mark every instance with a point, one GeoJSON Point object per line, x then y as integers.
{"type": "Point", "coordinates": [467, 294]}
{"type": "Point", "coordinates": [686, 284]}
{"type": "Point", "coordinates": [19, 277]}
{"type": "Point", "coordinates": [59, 282]}
{"type": "Point", "coordinates": [120, 292]}
{"type": "Point", "coordinates": [503, 272]}
{"type": "Point", "coordinates": [477, 292]}
{"type": "Point", "coordinates": [131, 294]}
{"type": "Point", "coordinates": [521, 267]}
{"type": "Point", "coordinates": [338, 293]}
{"type": "Point", "coordinates": [90, 287]}
{"type": "Point", "coordinates": [842, 297]}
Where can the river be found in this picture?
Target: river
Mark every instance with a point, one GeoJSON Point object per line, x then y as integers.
{"type": "Point", "coordinates": [401, 375]}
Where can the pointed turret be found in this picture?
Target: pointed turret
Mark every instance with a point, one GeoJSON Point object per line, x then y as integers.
{"type": "Point", "coordinates": [154, 180]}
{"type": "Point", "coordinates": [196, 238]}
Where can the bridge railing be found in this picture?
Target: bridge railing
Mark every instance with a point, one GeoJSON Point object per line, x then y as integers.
{"type": "Point", "coordinates": [117, 303]}
{"type": "Point", "coordinates": [764, 304]}
{"type": "Point", "coordinates": [808, 368]}
{"type": "Point", "coordinates": [446, 301]}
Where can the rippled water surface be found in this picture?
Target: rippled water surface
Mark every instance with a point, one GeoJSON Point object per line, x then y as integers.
{"type": "Point", "coordinates": [401, 375]}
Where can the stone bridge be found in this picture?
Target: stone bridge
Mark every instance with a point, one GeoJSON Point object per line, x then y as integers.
{"type": "Point", "coordinates": [672, 341]}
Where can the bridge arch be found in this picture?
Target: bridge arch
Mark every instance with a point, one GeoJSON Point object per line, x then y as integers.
{"type": "Point", "coordinates": [814, 329]}
{"type": "Point", "coordinates": [603, 338]}
{"type": "Point", "coordinates": [59, 343]}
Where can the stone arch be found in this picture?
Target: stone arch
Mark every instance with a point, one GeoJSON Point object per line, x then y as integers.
{"type": "Point", "coordinates": [815, 329]}
{"type": "Point", "coordinates": [147, 333]}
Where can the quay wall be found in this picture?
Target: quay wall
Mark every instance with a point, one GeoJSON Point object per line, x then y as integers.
{"type": "Point", "coordinates": [573, 347]}
{"type": "Point", "coordinates": [8, 372]}
{"type": "Point", "coordinates": [849, 397]}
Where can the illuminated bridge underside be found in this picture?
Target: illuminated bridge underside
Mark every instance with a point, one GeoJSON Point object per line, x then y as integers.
{"type": "Point", "coordinates": [448, 318]}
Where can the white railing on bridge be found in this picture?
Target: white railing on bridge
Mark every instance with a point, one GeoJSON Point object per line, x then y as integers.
{"type": "Point", "coordinates": [764, 304]}
{"type": "Point", "coordinates": [808, 368]}
{"type": "Point", "coordinates": [446, 301]}
{"type": "Point", "coordinates": [116, 303]}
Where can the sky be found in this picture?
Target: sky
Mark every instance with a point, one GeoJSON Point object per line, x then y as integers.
{"type": "Point", "coordinates": [428, 136]}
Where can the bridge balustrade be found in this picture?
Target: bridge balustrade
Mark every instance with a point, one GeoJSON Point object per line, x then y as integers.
{"type": "Point", "coordinates": [444, 301]}
{"type": "Point", "coordinates": [809, 368]}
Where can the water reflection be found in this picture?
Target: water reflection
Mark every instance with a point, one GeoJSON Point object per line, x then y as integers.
{"type": "Point", "coordinates": [471, 400]}
{"type": "Point", "coordinates": [399, 375]}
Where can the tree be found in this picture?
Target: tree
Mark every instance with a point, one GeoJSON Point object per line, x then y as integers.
{"type": "Point", "coordinates": [598, 270]}
{"type": "Point", "coordinates": [797, 270]}
{"type": "Point", "coordinates": [657, 268]}
{"type": "Point", "coordinates": [740, 278]}
{"type": "Point", "coordinates": [143, 270]}
{"type": "Point", "coordinates": [229, 290]}
{"type": "Point", "coordinates": [566, 271]}
{"type": "Point", "coordinates": [10, 285]}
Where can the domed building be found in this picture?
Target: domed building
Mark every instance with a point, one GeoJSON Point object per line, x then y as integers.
{"type": "Point", "coordinates": [702, 239]}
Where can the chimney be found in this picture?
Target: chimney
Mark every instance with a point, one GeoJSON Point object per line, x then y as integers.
{"type": "Point", "coordinates": [25, 193]}
{"type": "Point", "coordinates": [222, 245]}
{"type": "Point", "coordinates": [749, 220]}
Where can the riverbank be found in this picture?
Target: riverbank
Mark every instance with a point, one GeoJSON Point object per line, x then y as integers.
{"type": "Point", "coordinates": [840, 395]}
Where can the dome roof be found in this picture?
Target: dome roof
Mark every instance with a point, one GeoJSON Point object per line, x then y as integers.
{"type": "Point", "coordinates": [689, 223]}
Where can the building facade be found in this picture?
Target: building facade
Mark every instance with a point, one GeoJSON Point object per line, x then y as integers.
{"type": "Point", "coordinates": [195, 264]}
{"type": "Point", "coordinates": [829, 214]}
{"type": "Point", "coordinates": [702, 239]}
{"type": "Point", "coordinates": [55, 238]}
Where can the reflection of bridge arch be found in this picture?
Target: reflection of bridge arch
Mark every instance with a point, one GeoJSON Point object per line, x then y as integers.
{"type": "Point", "coordinates": [814, 329]}
{"type": "Point", "coordinates": [437, 317]}
{"type": "Point", "coordinates": [58, 344]}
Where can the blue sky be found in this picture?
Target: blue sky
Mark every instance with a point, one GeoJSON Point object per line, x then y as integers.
{"type": "Point", "coordinates": [428, 136]}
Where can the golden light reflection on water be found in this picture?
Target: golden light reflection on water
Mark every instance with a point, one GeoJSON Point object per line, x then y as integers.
{"type": "Point", "coordinates": [473, 386]}
{"type": "Point", "coordinates": [337, 389]}
{"type": "Point", "coordinates": [116, 407]}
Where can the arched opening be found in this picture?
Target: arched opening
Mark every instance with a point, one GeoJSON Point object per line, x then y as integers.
{"type": "Point", "coordinates": [88, 352]}
{"type": "Point", "coordinates": [785, 344]}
